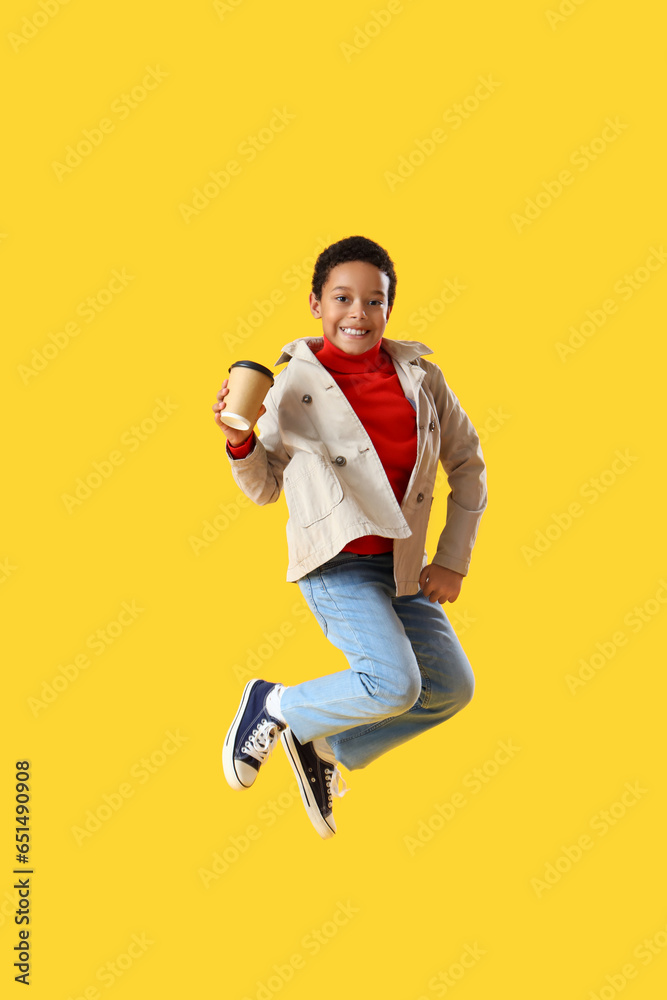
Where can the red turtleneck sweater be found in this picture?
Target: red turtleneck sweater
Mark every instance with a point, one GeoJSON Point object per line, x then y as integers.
{"type": "Point", "coordinates": [371, 386]}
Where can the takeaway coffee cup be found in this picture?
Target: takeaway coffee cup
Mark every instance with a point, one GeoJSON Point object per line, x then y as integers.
{"type": "Point", "coordinates": [248, 384]}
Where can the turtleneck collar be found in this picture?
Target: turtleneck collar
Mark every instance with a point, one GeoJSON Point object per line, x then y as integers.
{"type": "Point", "coordinates": [337, 360]}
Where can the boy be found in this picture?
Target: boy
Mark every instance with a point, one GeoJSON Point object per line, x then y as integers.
{"type": "Point", "coordinates": [353, 430]}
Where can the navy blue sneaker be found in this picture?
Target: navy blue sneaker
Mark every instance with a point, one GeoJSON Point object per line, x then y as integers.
{"type": "Point", "coordinates": [318, 779]}
{"type": "Point", "coordinates": [251, 736]}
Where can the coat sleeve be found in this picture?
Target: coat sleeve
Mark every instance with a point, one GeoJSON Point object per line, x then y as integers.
{"type": "Point", "coordinates": [260, 474]}
{"type": "Point", "coordinates": [461, 458]}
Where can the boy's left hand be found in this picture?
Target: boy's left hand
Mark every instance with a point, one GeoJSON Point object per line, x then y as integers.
{"type": "Point", "coordinates": [440, 584]}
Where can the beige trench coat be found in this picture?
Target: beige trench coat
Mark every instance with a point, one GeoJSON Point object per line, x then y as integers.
{"type": "Point", "coordinates": [313, 445]}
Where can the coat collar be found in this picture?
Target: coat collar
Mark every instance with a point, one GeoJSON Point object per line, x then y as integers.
{"type": "Point", "coordinates": [400, 350]}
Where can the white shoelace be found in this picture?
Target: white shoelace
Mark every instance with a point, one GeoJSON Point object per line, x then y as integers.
{"type": "Point", "coordinates": [335, 783]}
{"type": "Point", "coordinates": [334, 779]}
{"type": "Point", "coordinates": [262, 740]}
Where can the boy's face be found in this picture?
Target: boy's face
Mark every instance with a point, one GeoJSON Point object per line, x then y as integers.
{"type": "Point", "coordinates": [353, 307]}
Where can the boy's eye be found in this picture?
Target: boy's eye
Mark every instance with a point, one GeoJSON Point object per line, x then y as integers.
{"type": "Point", "coordinates": [373, 302]}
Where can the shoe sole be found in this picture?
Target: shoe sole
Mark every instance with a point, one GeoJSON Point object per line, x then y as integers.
{"type": "Point", "coordinates": [307, 797]}
{"type": "Point", "coordinates": [230, 740]}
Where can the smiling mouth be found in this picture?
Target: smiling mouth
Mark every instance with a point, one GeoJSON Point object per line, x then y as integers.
{"type": "Point", "coordinates": [351, 331]}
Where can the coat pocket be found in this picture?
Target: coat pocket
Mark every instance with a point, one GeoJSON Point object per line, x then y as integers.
{"type": "Point", "coordinates": [312, 489]}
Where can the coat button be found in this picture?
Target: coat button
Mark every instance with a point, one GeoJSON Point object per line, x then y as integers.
{"type": "Point", "coordinates": [340, 460]}
{"type": "Point", "coordinates": [431, 426]}
{"type": "Point", "coordinates": [420, 497]}
{"type": "Point", "coordinates": [306, 399]}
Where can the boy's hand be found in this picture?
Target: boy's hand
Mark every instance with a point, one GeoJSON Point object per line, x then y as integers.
{"type": "Point", "coordinates": [234, 436]}
{"type": "Point", "coordinates": [440, 584]}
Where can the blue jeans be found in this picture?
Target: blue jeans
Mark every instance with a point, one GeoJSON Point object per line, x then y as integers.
{"type": "Point", "coordinates": [407, 670]}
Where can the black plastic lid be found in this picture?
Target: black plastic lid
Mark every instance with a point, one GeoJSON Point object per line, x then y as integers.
{"type": "Point", "coordinates": [254, 365]}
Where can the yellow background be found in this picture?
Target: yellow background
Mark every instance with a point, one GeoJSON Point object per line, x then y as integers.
{"type": "Point", "coordinates": [393, 919]}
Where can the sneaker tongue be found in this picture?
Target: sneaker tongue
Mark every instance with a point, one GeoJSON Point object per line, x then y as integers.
{"type": "Point", "coordinates": [323, 750]}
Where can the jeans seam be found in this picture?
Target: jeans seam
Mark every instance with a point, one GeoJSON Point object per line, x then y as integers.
{"type": "Point", "coordinates": [370, 729]}
{"type": "Point", "coordinates": [360, 645]}
{"type": "Point", "coordinates": [320, 618]}
{"type": "Point", "coordinates": [426, 682]}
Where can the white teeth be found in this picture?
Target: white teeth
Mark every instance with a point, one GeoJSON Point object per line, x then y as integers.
{"type": "Point", "coordinates": [354, 333]}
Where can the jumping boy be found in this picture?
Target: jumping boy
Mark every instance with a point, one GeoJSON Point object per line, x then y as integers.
{"type": "Point", "coordinates": [353, 430]}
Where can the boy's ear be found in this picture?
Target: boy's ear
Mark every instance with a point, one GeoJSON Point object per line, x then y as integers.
{"type": "Point", "coordinates": [315, 307]}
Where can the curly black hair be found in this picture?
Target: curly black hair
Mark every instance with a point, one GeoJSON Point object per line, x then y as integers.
{"type": "Point", "coordinates": [349, 249]}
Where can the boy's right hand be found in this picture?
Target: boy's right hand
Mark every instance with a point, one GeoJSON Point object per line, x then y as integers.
{"type": "Point", "coordinates": [234, 436]}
